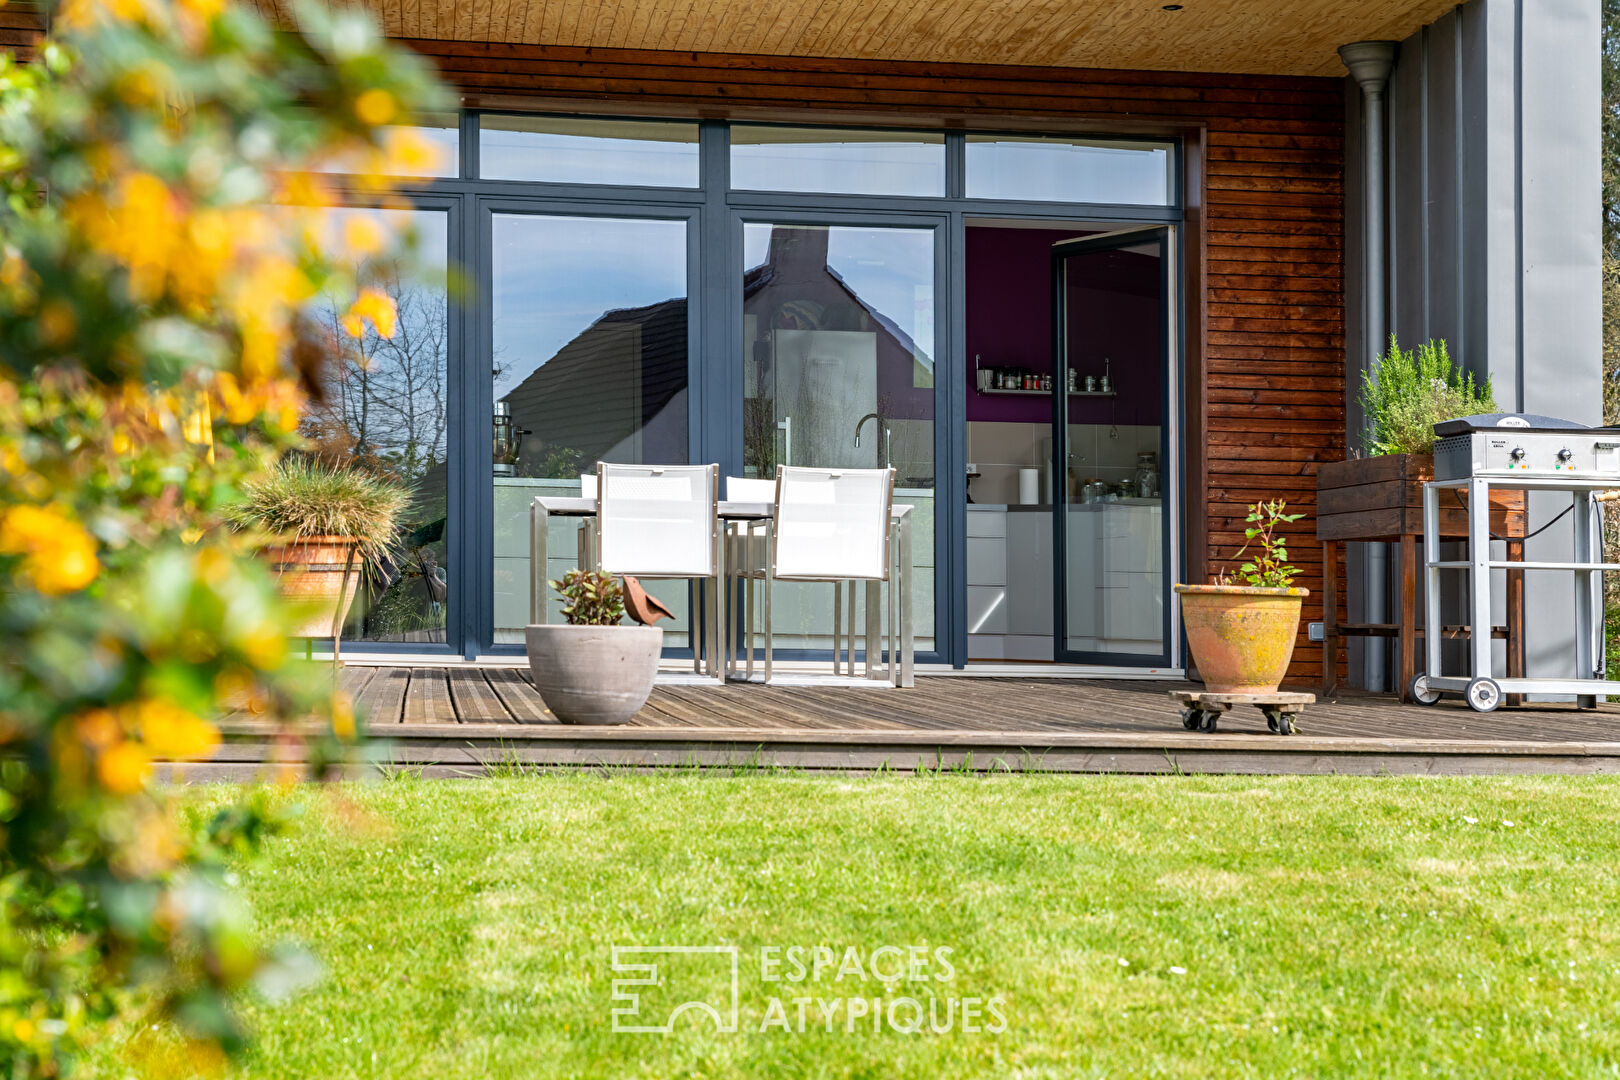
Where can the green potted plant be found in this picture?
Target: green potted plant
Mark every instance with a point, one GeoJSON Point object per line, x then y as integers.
{"type": "Point", "coordinates": [1241, 632]}
{"type": "Point", "coordinates": [1379, 495]}
{"type": "Point", "coordinates": [324, 527]}
{"type": "Point", "coordinates": [591, 669]}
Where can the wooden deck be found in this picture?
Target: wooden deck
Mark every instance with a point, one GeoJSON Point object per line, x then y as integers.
{"type": "Point", "coordinates": [460, 720]}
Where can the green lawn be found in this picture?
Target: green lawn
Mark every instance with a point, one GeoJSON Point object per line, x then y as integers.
{"type": "Point", "coordinates": [1188, 927]}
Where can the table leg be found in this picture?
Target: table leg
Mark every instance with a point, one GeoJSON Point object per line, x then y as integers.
{"type": "Point", "coordinates": [874, 627]}
{"type": "Point", "coordinates": [850, 667]}
{"type": "Point", "coordinates": [1406, 639]}
{"type": "Point", "coordinates": [1330, 618]}
{"type": "Point", "coordinates": [539, 522]}
{"type": "Point", "coordinates": [838, 611]}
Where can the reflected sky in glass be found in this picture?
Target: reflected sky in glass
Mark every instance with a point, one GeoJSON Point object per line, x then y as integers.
{"type": "Point", "coordinates": [583, 150]}
{"type": "Point", "coordinates": [846, 162]}
{"type": "Point", "coordinates": [555, 276]}
{"type": "Point", "coordinates": [1058, 170]}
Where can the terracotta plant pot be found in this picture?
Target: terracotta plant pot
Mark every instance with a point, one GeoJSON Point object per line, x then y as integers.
{"type": "Point", "coordinates": [593, 674]}
{"type": "Point", "coordinates": [310, 575]}
{"type": "Point", "coordinates": [1241, 637]}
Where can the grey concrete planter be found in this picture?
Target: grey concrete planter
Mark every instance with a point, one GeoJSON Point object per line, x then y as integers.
{"type": "Point", "coordinates": [593, 674]}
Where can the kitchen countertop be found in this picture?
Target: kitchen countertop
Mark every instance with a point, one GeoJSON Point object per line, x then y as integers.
{"type": "Point", "coordinates": [1036, 508]}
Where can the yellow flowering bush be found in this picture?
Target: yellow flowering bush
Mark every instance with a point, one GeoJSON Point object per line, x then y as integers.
{"type": "Point", "coordinates": [165, 168]}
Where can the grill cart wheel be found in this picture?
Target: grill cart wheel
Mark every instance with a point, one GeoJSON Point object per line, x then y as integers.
{"type": "Point", "coordinates": [1418, 690]}
{"type": "Point", "coordinates": [1483, 695]}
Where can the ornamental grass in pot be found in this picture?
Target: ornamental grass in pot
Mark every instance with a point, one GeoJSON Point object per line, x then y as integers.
{"type": "Point", "coordinates": [591, 669]}
{"type": "Point", "coordinates": [1241, 630]}
{"type": "Point", "coordinates": [324, 527]}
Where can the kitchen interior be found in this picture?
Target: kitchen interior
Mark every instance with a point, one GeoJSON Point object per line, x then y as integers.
{"type": "Point", "coordinates": [1107, 365]}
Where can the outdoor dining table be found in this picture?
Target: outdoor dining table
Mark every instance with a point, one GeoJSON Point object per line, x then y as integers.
{"type": "Point", "coordinates": [546, 507]}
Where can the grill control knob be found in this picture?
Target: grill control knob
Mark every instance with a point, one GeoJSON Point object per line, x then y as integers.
{"type": "Point", "coordinates": [1517, 453]}
{"type": "Point", "coordinates": [1565, 454]}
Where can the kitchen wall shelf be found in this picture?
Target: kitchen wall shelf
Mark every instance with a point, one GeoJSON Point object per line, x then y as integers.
{"type": "Point", "coordinates": [1048, 393]}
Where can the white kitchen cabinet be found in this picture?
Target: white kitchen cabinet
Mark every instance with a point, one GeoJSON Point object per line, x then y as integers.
{"type": "Point", "coordinates": [1029, 573]}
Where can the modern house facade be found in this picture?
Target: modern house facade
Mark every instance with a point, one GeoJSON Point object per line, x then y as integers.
{"type": "Point", "coordinates": [1091, 277]}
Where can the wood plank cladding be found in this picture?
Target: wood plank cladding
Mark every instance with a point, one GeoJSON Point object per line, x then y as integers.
{"type": "Point", "coordinates": [1252, 36]}
{"type": "Point", "coordinates": [21, 27]}
{"type": "Point", "coordinates": [1265, 278]}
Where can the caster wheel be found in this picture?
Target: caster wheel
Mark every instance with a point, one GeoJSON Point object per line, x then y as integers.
{"type": "Point", "coordinates": [1272, 719]}
{"type": "Point", "coordinates": [1483, 695]}
{"type": "Point", "coordinates": [1418, 690]}
{"type": "Point", "coordinates": [1191, 718]}
{"type": "Point", "coordinates": [1209, 722]}
{"type": "Point", "coordinates": [1286, 725]}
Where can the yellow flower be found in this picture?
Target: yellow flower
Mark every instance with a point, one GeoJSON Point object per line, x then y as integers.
{"type": "Point", "coordinates": [407, 152]}
{"type": "Point", "coordinates": [123, 768]}
{"type": "Point", "coordinates": [342, 715]}
{"type": "Point", "coordinates": [59, 555]}
{"type": "Point", "coordinates": [173, 733]}
{"type": "Point", "coordinates": [98, 727]}
{"type": "Point", "coordinates": [375, 305]}
{"type": "Point", "coordinates": [376, 107]}
{"type": "Point", "coordinates": [362, 235]}
{"type": "Point", "coordinates": [264, 647]}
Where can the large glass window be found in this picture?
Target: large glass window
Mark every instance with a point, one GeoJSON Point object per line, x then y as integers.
{"type": "Point", "coordinates": [590, 351]}
{"type": "Point", "coordinates": [587, 150]}
{"type": "Point", "coordinates": [1069, 170]}
{"type": "Point", "coordinates": [838, 370]}
{"type": "Point", "coordinates": [849, 162]}
{"type": "Point", "coordinates": [442, 134]}
{"type": "Point", "coordinates": [385, 409]}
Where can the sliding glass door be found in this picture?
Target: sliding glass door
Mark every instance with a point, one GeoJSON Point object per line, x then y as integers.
{"type": "Point", "coordinates": [1112, 332]}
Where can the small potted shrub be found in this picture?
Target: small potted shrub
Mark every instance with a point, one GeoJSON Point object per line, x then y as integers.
{"type": "Point", "coordinates": [1241, 631]}
{"type": "Point", "coordinates": [590, 669]}
{"type": "Point", "coordinates": [324, 527]}
{"type": "Point", "coordinates": [1379, 495]}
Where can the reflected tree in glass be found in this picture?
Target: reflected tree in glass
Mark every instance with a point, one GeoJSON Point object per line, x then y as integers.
{"type": "Point", "coordinates": [386, 411]}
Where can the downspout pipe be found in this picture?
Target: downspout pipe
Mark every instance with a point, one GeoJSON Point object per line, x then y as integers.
{"type": "Point", "coordinates": [1370, 63]}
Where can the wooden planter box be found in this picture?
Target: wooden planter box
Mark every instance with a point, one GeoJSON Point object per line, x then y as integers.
{"type": "Point", "coordinates": [1380, 499]}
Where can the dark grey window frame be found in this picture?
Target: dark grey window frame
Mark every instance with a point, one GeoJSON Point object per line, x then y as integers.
{"type": "Point", "coordinates": [714, 335]}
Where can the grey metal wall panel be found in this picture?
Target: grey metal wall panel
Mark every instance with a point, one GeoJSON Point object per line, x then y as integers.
{"type": "Point", "coordinates": [1494, 218]}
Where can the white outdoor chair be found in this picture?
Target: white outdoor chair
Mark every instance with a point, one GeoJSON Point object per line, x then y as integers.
{"type": "Point", "coordinates": [748, 555]}
{"type": "Point", "coordinates": [834, 525]}
{"type": "Point", "coordinates": [659, 522]}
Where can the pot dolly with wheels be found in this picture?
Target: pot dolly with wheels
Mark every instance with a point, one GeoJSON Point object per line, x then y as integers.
{"type": "Point", "coordinates": [1203, 709]}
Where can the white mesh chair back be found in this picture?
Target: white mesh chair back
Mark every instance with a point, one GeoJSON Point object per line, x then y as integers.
{"type": "Point", "coordinates": [657, 520]}
{"type": "Point", "coordinates": [587, 485]}
{"type": "Point", "coordinates": [746, 489]}
{"type": "Point", "coordinates": [832, 524]}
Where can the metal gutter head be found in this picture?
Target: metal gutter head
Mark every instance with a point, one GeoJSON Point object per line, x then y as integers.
{"type": "Point", "coordinates": [1370, 62]}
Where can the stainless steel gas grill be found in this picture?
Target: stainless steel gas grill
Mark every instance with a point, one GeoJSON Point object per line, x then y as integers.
{"type": "Point", "coordinates": [1528, 453]}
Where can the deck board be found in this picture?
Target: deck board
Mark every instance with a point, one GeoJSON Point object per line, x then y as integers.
{"type": "Point", "coordinates": [457, 719]}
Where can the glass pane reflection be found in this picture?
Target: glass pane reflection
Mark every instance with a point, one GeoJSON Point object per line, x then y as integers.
{"type": "Point", "coordinates": [587, 150]}
{"type": "Point", "coordinates": [1068, 170]}
{"type": "Point", "coordinates": [590, 349]}
{"type": "Point", "coordinates": [386, 410]}
{"type": "Point", "coordinates": [838, 347]}
{"type": "Point", "coordinates": [850, 162]}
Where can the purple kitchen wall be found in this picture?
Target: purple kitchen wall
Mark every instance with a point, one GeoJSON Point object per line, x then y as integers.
{"type": "Point", "coordinates": [1114, 306]}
